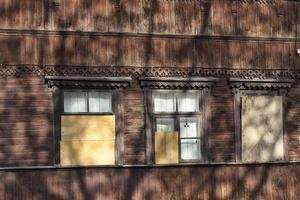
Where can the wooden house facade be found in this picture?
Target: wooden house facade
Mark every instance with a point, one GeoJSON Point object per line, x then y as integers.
{"type": "Point", "coordinates": [149, 99]}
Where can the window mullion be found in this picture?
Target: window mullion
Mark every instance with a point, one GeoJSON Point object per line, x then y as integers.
{"type": "Point", "coordinates": [87, 101]}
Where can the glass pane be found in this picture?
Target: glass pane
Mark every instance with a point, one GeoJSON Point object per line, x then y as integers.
{"type": "Point", "coordinates": [164, 124]}
{"type": "Point", "coordinates": [75, 102]}
{"type": "Point", "coordinates": [100, 102]}
{"type": "Point", "coordinates": [189, 127]}
{"type": "Point", "coordinates": [188, 102]}
{"type": "Point", "coordinates": [190, 149]}
{"type": "Point", "coordinates": [164, 101]}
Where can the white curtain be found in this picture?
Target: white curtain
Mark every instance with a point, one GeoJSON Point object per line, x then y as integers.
{"type": "Point", "coordinates": [190, 149]}
{"type": "Point", "coordinates": [75, 102]}
{"type": "Point", "coordinates": [164, 124]}
{"type": "Point", "coordinates": [189, 128]}
{"type": "Point", "coordinates": [100, 102]}
{"type": "Point", "coordinates": [188, 102]}
{"type": "Point", "coordinates": [164, 101]}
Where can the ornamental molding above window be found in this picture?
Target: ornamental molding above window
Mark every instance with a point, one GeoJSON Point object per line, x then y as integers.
{"type": "Point", "coordinates": [178, 83]}
{"type": "Point", "coordinates": [256, 84]}
{"type": "Point", "coordinates": [138, 71]}
{"type": "Point", "coordinates": [88, 82]}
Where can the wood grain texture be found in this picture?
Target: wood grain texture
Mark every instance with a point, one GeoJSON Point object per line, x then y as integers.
{"type": "Point", "coordinates": [250, 18]}
{"type": "Point", "coordinates": [144, 51]}
{"type": "Point", "coordinates": [134, 125]}
{"type": "Point", "coordinates": [277, 181]}
{"type": "Point", "coordinates": [222, 141]}
{"type": "Point", "coordinates": [26, 136]}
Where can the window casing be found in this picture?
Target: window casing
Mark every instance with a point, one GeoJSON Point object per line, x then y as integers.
{"type": "Point", "coordinates": [93, 112]}
{"type": "Point", "coordinates": [259, 107]}
{"type": "Point", "coordinates": [179, 112]}
{"type": "Point", "coordinates": [88, 135]}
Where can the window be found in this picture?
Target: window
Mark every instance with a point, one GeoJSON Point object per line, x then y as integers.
{"type": "Point", "coordinates": [259, 120]}
{"type": "Point", "coordinates": [177, 120]}
{"type": "Point", "coordinates": [87, 128]}
{"type": "Point", "coordinates": [262, 128]}
{"type": "Point", "coordinates": [88, 114]}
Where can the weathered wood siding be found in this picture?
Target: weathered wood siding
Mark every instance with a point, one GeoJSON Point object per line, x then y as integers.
{"type": "Point", "coordinates": [235, 182]}
{"type": "Point", "coordinates": [26, 134]}
{"type": "Point", "coordinates": [293, 125]}
{"type": "Point", "coordinates": [134, 138]}
{"type": "Point", "coordinates": [278, 18]}
{"type": "Point", "coordinates": [26, 125]}
{"type": "Point", "coordinates": [222, 139]}
{"type": "Point", "coordinates": [148, 51]}
{"type": "Point", "coordinates": [143, 38]}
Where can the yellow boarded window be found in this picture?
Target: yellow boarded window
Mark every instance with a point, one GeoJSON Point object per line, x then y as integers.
{"type": "Point", "coordinates": [166, 147]}
{"type": "Point", "coordinates": [87, 140]}
{"type": "Point", "coordinates": [166, 142]}
{"type": "Point", "coordinates": [262, 128]}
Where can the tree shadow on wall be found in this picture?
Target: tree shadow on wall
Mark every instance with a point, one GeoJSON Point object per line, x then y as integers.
{"type": "Point", "coordinates": [26, 116]}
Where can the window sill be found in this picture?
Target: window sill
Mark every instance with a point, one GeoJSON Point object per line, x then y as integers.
{"type": "Point", "coordinates": [211, 164]}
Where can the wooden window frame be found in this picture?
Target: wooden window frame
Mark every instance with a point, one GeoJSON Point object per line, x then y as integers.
{"type": "Point", "coordinates": [114, 97]}
{"type": "Point", "coordinates": [264, 87]}
{"type": "Point", "coordinates": [202, 85]}
{"type": "Point", "coordinates": [176, 117]}
{"type": "Point", "coordinates": [59, 84]}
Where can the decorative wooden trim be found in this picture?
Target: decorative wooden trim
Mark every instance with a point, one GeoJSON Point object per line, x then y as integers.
{"type": "Point", "coordinates": [177, 83]}
{"type": "Point", "coordinates": [268, 2]}
{"type": "Point", "coordinates": [267, 84]}
{"type": "Point", "coordinates": [88, 82]}
{"type": "Point", "coordinates": [241, 87]}
{"type": "Point", "coordinates": [138, 71]}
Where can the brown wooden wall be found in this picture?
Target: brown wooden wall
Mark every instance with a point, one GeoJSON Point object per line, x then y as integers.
{"type": "Point", "coordinates": [26, 134]}
{"type": "Point", "coordinates": [148, 51]}
{"type": "Point", "coordinates": [175, 35]}
{"type": "Point", "coordinates": [278, 18]}
{"type": "Point", "coordinates": [234, 182]}
{"type": "Point", "coordinates": [26, 127]}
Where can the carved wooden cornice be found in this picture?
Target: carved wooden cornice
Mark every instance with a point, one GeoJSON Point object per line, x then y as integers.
{"type": "Point", "coordinates": [177, 83]}
{"type": "Point", "coordinates": [256, 84]}
{"type": "Point", "coordinates": [87, 82]}
{"type": "Point", "coordinates": [136, 72]}
{"type": "Point", "coordinates": [269, 2]}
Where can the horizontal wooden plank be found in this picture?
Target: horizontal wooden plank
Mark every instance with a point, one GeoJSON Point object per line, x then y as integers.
{"type": "Point", "coordinates": [25, 155]}
{"type": "Point", "coordinates": [15, 141]}
{"type": "Point", "coordinates": [29, 148]}
{"type": "Point", "coordinates": [134, 151]}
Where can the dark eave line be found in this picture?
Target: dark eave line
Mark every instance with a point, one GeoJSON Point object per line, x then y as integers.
{"type": "Point", "coordinates": [45, 33]}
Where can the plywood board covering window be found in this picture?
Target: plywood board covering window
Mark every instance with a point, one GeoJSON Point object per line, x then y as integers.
{"type": "Point", "coordinates": [166, 147]}
{"type": "Point", "coordinates": [262, 128]}
{"type": "Point", "coordinates": [87, 140]}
